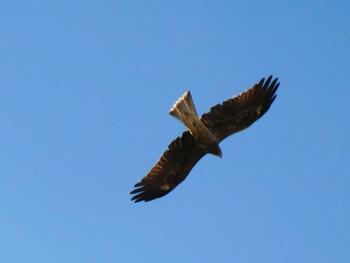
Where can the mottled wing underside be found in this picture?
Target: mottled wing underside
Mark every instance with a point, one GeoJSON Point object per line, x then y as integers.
{"type": "Point", "coordinates": [239, 112]}
{"type": "Point", "coordinates": [172, 168]}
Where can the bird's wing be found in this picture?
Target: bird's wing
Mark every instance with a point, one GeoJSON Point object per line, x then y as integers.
{"type": "Point", "coordinates": [239, 112]}
{"type": "Point", "coordinates": [172, 168]}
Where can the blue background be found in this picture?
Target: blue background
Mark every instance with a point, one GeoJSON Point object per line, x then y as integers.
{"type": "Point", "coordinates": [85, 91]}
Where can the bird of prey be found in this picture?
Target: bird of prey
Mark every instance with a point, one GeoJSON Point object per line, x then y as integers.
{"type": "Point", "coordinates": [203, 136]}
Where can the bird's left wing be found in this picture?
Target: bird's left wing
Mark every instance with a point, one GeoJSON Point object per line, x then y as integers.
{"type": "Point", "coordinates": [171, 169]}
{"type": "Point", "coordinates": [239, 112]}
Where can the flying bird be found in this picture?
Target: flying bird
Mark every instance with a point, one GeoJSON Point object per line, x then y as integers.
{"type": "Point", "coordinates": [203, 136]}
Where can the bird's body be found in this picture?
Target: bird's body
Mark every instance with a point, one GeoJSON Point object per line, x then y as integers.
{"type": "Point", "coordinates": [185, 111]}
{"type": "Point", "coordinates": [203, 136]}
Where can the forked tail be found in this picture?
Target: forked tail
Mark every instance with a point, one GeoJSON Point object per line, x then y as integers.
{"type": "Point", "coordinates": [183, 108]}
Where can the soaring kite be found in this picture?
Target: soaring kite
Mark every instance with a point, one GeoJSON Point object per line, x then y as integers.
{"type": "Point", "coordinates": [203, 136]}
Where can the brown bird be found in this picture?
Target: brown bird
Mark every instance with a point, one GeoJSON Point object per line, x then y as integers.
{"type": "Point", "coordinates": [203, 136]}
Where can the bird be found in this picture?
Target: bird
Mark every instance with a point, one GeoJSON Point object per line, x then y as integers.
{"type": "Point", "coordinates": [203, 136]}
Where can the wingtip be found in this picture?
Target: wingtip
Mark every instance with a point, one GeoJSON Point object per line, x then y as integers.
{"type": "Point", "coordinates": [268, 85]}
{"type": "Point", "coordinates": [138, 184]}
{"type": "Point", "coordinates": [137, 198]}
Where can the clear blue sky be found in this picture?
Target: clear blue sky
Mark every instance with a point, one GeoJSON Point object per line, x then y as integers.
{"type": "Point", "coordinates": [85, 91]}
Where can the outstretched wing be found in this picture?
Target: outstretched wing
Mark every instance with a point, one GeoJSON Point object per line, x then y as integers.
{"type": "Point", "coordinates": [172, 168]}
{"type": "Point", "coordinates": [239, 112]}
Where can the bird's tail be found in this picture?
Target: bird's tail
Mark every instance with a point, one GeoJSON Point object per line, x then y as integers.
{"type": "Point", "coordinates": [184, 108]}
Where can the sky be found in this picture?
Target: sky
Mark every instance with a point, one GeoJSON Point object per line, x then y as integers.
{"type": "Point", "coordinates": [86, 87]}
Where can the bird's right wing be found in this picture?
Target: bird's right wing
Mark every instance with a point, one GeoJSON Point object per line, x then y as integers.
{"type": "Point", "coordinates": [172, 168]}
{"type": "Point", "coordinates": [239, 112]}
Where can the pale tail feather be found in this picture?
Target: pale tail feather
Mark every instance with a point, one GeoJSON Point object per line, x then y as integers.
{"type": "Point", "coordinates": [182, 106]}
